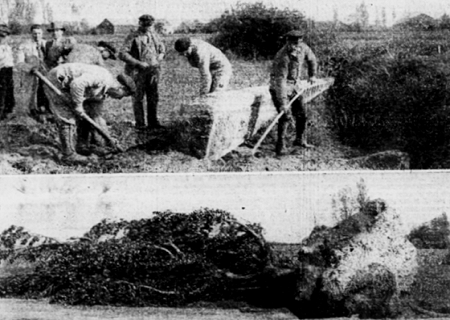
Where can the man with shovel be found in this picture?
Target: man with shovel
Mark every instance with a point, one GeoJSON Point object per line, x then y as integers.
{"type": "Point", "coordinates": [77, 97]}
{"type": "Point", "coordinates": [285, 74]}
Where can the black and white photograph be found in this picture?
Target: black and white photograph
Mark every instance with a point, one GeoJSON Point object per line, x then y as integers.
{"type": "Point", "coordinates": [200, 159]}
{"type": "Point", "coordinates": [222, 86]}
{"type": "Point", "coordinates": [246, 246]}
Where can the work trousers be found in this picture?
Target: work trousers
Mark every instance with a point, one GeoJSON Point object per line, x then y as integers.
{"type": "Point", "coordinates": [298, 109]}
{"type": "Point", "coordinates": [220, 79]}
{"type": "Point", "coordinates": [146, 86]}
{"type": "Point", "coordinates": [7, 100]}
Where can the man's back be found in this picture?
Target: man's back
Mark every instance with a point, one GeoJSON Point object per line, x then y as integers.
{"type": "Point", "coordinates": [206, 55]}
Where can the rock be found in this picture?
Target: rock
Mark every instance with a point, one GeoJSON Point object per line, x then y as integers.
{"type": "Point", "coordinates": [219, 122]}
{"type": "Point", "coordinates": [432, 235]}
{"type": "Point", "coordinates": [360, 266]}
{"type": "Point", "coordinates": [384, 160]}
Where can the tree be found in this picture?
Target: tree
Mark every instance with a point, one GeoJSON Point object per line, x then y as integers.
{"type": "Point", "coordinates": [335, 17]}
{"type": "Point", "coordinates": [444, 22]}
{"type": "Point", "coordinates": [383, 17]}
{"type": "Point", "coordinates": [377, 18]}
{"type": "Point", "coordinates": [254, 30]}
{"type": "Point", "coordinates": [362, 16]}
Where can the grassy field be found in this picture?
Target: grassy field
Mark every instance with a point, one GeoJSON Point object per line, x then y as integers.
{"type": "Point", "coordinates": [32, 148]}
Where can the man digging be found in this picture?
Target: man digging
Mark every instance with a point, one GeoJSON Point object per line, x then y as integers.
{"type": "Point", "coordinates": [285, 73]}
{"type": "Point", "coordinates": [84, 88]}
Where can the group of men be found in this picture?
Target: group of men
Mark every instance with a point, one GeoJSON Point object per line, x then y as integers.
{"type": "Point", "coordinates": [82, 83]}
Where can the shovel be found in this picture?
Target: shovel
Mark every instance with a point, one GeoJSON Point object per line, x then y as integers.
{"type": "Point", "coordinates": [84, 116]}
{"type": "Point", "coordinates": [274, 122]}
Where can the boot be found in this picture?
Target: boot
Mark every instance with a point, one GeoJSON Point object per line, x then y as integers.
{"type": "Point", "coordinates": [66, 132]}
{"type": "Point", "coordinates": [280, 148]}
{"type": "Point", "coordinates": [300, 134]}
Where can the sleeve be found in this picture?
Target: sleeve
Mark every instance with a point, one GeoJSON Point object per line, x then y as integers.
{"type": "Point", "coordinates": [311, 60]}
{"type": "Point", "coordinates": [279, 75]}
{"type": "Point", "coordinates": [124, 52]}
{"type": "Point", "coordinates": [205, 75]}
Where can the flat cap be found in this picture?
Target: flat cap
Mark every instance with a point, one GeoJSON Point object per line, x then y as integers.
{"type": "Point", "coordinates": [294, 34]}
{"type": "Point", "coordinates": [146, 18]}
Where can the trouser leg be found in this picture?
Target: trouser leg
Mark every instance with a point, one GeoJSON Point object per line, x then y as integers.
{"type": "Point", "coordinates": [2, 97]}
{"type": "Point", "coordinates": [7, 99]}
{"type": "Point", "coordinates": [10, 102]}
{"type": "Point", "coordinates": [94, 110]}
{"type": "Point", "coordinates": [42, 100]}
{"type": "Point", "coordinates": [152, 99]}
{"type": "Point", "coordinates": [221, 79]}
{"type": "Point", "coordinates": [280, 147]}
{"type": "Point", "coordinates": [138, 101]}
{"type": "Point", "coordinates": [299, 112]}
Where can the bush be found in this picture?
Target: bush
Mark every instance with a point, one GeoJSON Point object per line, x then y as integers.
{"type": "Point", "coordinates": [385, 99]}
{"type": "Point", "coordinates": [254, 30]}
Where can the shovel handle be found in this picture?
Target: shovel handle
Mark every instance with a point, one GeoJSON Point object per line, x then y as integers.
{"type": "Point", "coordinates": [84, 116]}
{"type": "Point", "coordinates": [274, 122]}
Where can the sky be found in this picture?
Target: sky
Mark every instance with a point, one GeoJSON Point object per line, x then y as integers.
{"type": "Point", "coordinates": [176, 11]}
{"type": "Point", "coordinates": [287, 205]}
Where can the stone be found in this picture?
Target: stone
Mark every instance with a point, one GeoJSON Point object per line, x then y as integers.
{"type": "Point", "coordinates": [360, 266]}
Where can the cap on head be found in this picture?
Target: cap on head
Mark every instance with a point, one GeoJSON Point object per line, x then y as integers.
{"type": "Point", "coordinates": [294, 35]}
{"type": "Point", "coordinates": [147, 20]}
{"type": "Point", "coordinates": [182, 44]}
{"type": "Point", "coordinates": [4, 30]}
{"type": "Point", "coordinates": [108, 46]}
{"type": "Point", "coordinates": [55, 26]}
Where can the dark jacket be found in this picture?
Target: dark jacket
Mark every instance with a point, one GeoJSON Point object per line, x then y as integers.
{"type": "Point", "coordinates": [132, 51]}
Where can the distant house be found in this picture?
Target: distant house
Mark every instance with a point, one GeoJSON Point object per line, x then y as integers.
{"type": "Point", "coordinates": [419, 22]}
{"type": "Point", "coordinates": [105, 27]}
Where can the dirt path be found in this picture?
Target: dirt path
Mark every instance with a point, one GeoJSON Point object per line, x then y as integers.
{"type": "Point", "coordinates": [15, 309]}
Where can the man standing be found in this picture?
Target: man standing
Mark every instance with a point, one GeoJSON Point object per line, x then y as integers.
{"type": "Point", "coordinates": [142, 52]}
{"type": "Point", "coordinates": [84, 88]}
{"type": "Point", "coordinates": [285, 73]}
{"type": "Point", "coordinates": [7, 100]}
{"type": "Point", "coordinates": [31, 56]}
{"type": "Point", "coordinates": [215, 69]}
{"type": "Point", "coordinates": [55, 49]}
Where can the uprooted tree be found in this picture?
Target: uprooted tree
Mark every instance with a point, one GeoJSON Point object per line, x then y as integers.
{"type": "Point", "coordinates": [360, 266]}
{"type": "Point", "coordinates": [171, 259]}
